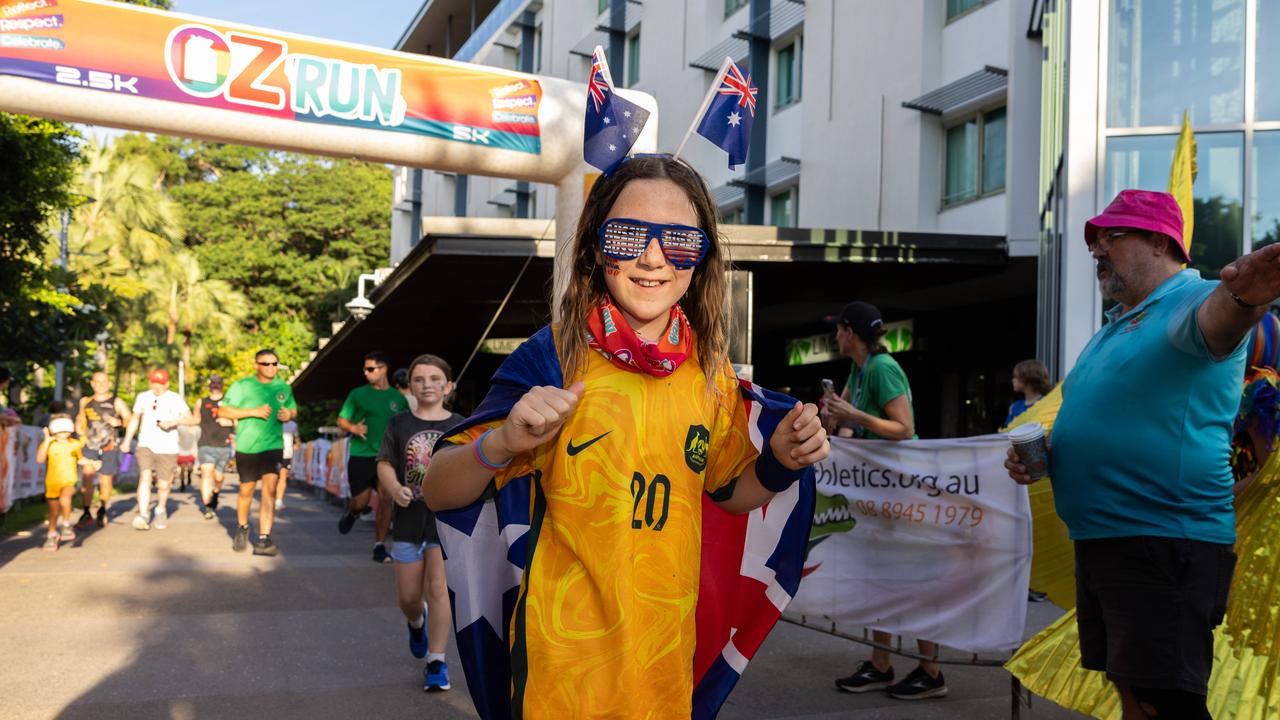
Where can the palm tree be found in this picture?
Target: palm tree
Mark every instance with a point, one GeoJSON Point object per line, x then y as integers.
{"type": "Point", "coordinates": [188, 304]}
{"type": "Point", "coordinates": [127, 222]}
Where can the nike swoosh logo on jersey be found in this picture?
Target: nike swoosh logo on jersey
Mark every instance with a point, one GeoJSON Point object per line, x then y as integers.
{"type": "Point", "coordinates": [575, 449]}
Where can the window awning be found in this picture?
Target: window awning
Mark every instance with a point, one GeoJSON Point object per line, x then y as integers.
{"type": "Point", "coordinates": [987, 82]}
{"type": "Point", "coordinates": [777, 174]}
{"type": "Point", "coordinates": [784, 17]}
{"type": "Point", "coordinates": [600, 36]}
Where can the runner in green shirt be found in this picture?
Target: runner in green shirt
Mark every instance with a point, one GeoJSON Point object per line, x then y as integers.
{"type": "Point", "coordinates": [365, 414]}
{"type": "Point", "coordinates": [261, 404]}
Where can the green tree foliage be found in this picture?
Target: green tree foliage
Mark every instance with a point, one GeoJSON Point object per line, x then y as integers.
{"type": "Point", "coordinates": [45, 312]}
{"type": "Point", "coordinates": [291, 232]}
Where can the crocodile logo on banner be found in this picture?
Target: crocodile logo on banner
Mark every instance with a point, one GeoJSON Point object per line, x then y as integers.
{"type": "Point", "coordinates": [831, 516]}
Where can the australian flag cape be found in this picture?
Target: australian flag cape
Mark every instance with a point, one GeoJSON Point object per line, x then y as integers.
{"type": "Point", "coordinates": [751, 564]}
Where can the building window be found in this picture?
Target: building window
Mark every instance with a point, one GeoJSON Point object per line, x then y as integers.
{"type": "Point", "coordinates": [1267, 103]}
{"type": "Point", "coordinates": [782, 208]}
{"type": "Point", "coordinates": [790, 68]}
{"type": "Point", "coordinates": [602, 5]}
{"type": "Point", "coordinates": [732, 217]}
{"type": "Point", "coordinates": [975, 158]}
{"type": "Point", "coordinates": [633, 59]}
{"type": "Point", "coordinates": [956, 8]}
{"type": "Point", "coordinates": [733, 6]}
{"type": "Point", "coordinates": [1142, 162]}
{"type": "Point", "coordinates": [1166, 57]}
{"type": "Point", "coordinates": [1266, 175]}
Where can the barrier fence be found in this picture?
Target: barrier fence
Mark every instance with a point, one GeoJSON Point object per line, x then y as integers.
{"type": "Point", "coordinates": [324, 465]}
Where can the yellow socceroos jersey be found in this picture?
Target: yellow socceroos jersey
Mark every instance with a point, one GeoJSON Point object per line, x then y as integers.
{"type": "Point", "coordinates": [605, 623]}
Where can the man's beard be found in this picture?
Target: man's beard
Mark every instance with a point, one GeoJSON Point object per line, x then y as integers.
{"type": "Point", "coordinates": [1114, 284]}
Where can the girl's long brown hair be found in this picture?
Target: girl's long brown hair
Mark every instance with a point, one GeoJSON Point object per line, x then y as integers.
{"type": "Point", "coordinates": [705, 302]}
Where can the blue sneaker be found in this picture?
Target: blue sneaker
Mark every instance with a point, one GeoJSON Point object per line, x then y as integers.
{"type": "Point", "coordinates": [418, 639]}
{"type": "Point", "coordinates": [436, 677]}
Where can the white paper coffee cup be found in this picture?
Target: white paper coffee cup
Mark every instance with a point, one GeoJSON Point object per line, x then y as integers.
{"type": "Point", "coordinates": [1032, 449]}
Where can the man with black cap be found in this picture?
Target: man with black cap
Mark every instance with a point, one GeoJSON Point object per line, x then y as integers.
{"type": "Point", "coordinates": [215, 446]}
{"type": "Point", "coordinates": [877, 402]}
{"type": "Point", "coordinates": [876, 399]}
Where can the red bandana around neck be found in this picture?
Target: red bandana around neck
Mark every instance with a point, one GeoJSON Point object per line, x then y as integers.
{"type": "Point", "coordinates": [610, 333]}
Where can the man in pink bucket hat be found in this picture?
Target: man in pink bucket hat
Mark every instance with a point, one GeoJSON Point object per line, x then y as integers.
{"type": "Point", "coordinates": [1139, 456]}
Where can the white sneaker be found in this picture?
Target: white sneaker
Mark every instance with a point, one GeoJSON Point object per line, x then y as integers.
{"type": "Point", "coordinates": [279, 505]}
{"type": "Point", "coordinates": [161, 520]}
{"type": "Point", "coordinates": [140, 523]}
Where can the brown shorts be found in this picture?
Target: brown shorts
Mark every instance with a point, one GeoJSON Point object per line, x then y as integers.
{"type": "Point", "coordinates": [161, 465]}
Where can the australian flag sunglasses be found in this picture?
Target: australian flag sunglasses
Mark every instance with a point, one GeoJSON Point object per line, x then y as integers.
{"type": "Point", "coordinates": [626, 239]}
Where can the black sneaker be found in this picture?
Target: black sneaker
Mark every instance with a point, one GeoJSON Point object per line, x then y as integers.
{"type": "Point", "coordinates": [266, 547]}
{"type": "Point", "coordinates": [866, 678]}
{"type": "Point", "coordinates": [346, 522]}
{"type": "Point", "coordinates": [213, 500]}
{"type": "Point", "coordinates": [86, 519]}
{"type": "Point", "coordinates": [918, 686]}
{"type": "Point", "coordinates": [380, 554]}
{"type": "Point", "coordinates": [101, 517]}
{"type": "Point", "coordinates": [241, 541]}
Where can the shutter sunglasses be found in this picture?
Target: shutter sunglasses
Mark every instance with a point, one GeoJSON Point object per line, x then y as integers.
{"type": "Point", "coordinates": [626, 239]}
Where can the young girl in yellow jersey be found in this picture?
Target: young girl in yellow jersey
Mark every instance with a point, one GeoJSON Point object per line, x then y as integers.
{"type": "Point", "coordinates": [602, 435]}
{"type": "Point", "coordinates": [61, 454]}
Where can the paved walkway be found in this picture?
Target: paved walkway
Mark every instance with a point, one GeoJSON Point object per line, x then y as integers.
{"type": "Point", "coordinates": [172, 624]}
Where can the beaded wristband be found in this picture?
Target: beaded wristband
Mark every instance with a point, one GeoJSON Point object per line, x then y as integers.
{"type": "Point", "coordinates": [480, 458]}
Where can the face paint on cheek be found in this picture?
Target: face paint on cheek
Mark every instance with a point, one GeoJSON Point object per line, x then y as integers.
{"type": "Point", "coordinates": [612, 269]}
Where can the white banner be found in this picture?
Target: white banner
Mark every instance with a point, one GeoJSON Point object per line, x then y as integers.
{"type": "Point", "coordinates": [28, 475]}
{"type": "Point", "coordinates": [927, 538]}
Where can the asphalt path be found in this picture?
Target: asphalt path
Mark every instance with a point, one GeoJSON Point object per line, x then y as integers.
{"type": "Point", "coordinates": [172, 624]}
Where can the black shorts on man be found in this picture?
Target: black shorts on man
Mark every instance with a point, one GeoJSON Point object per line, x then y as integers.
{"type": "Point", "coordinates": [110, 460]}
{"type": "Point", "coordinates": [362, 474]}
{"type": "Point", "coordinates": [1146, 608]}
{"type": "Point", "coordinates": [252, 466]}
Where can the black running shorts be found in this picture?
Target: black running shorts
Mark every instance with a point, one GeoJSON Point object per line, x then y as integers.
{"type": "Point", "coordinates": [252, 466]}
{"type": "Point", "coordinates": [362, 474]}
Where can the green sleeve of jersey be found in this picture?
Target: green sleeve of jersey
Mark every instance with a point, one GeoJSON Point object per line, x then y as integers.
{"type": "Point", "coordinates": [348, 410]}
{"type": "Point", "coordinates": [234, 396]}
{"type": "Point", "coordinates": [885, 382]}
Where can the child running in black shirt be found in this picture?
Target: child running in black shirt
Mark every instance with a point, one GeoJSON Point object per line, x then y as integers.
{"type": "Point", "coordinates": [415, 547]}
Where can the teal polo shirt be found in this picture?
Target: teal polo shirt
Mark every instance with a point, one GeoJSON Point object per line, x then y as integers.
{"type": "Point", "coordinates": [1142, 444]}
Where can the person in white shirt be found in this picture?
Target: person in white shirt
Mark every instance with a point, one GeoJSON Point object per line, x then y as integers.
{"type": "Point", "coordinates": [291, 442]}
{"type": "Point", "coordinates": [156, 413]}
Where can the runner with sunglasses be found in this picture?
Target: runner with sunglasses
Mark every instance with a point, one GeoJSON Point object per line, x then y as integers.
{"type": "Point", "coordinates": [365, 414]}
{"type": "Point", "coordinates": [605, 431]}
{"type": "Point", "coordinates": [261, 403]}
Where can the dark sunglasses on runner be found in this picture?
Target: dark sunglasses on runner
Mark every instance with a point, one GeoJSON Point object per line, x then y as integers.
{"type": "Point", "coordinates": [626, 239]}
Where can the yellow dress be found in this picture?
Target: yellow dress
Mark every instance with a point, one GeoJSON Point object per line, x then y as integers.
{"type": "Point", "coordinates": [1246, 670]}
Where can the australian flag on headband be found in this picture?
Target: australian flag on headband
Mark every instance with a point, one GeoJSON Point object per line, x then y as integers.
{"type": "Point", "coordinates": [751, 564]}
{"type": "Point", "coordinates": [612, 123]}
{"type": "Point", "coordinates": [730, 113]}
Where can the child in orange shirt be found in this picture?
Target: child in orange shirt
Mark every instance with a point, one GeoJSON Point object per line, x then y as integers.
{"type": "Point", "coordinates": [62, 453]}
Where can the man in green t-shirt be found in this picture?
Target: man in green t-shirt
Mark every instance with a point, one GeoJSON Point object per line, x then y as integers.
{"type": "Point", "coordinates": [260, 404]}
{"type": "Point", "coordinates": [365, 414]}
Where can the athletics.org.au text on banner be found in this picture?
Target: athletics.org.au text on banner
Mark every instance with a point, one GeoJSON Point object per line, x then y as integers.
{"type": "Point", "coordinates": [927, 538]}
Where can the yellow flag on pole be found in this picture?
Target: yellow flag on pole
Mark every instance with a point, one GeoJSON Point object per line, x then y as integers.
{"type": "Point", "coordinates": [1182, 176]}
